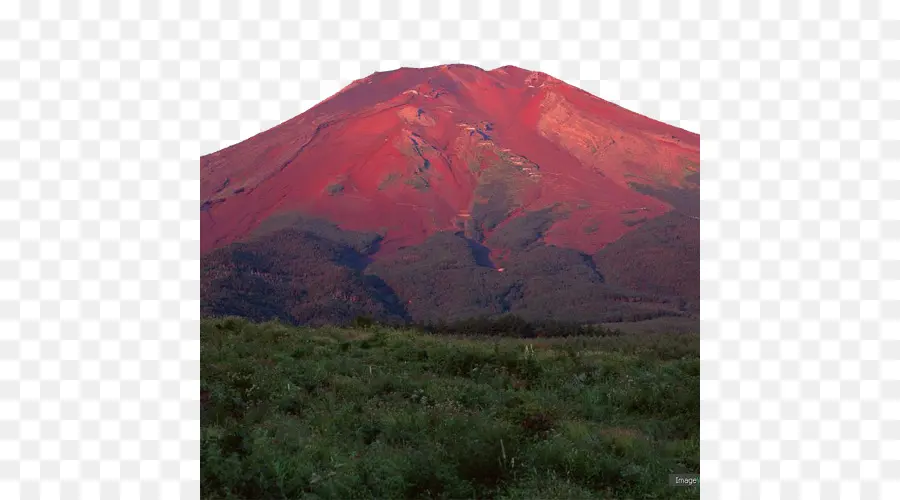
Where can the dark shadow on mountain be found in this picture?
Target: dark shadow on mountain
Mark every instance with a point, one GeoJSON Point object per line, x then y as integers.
{"type": "Point", "coordinates": [661, 257]}
{"type": "Point", "coordinates": [683, 200]}
{"type": "Point", "coordinates": [365, 243]}
{"type": "Point", "coordinates": [523, 231]}
{"type": "Point", "coordinates": [481, 253]}
{"type": "Point", "coordinates": [493, 208]}
{"type": "Point", "coordinates": [388, 296]}
{"type": "Point", "coordinates": [310, 272]}
{"type": "Point", "coordinates": [303, 273]}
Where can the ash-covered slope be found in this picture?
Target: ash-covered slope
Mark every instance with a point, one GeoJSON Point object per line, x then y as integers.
{"type": "Point", "coordinates": [509, 160]}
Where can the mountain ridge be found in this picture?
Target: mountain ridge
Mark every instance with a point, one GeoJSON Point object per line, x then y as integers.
{"type": "Point", "coordinates": [508, 159]}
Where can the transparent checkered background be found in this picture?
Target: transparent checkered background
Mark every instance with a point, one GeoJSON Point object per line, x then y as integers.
{"type": "Point", "coordinates": [105, 108]}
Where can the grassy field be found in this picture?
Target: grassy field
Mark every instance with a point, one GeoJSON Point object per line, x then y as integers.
{"type": "Point", "coordinates": [332, 413]}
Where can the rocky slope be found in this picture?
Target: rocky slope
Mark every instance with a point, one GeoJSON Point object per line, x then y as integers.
{"type": "Point", "coordinates": [477, 192]}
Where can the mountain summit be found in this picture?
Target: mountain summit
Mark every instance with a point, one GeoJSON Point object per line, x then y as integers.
{"type": "Point", "coordinates": [502, 167]}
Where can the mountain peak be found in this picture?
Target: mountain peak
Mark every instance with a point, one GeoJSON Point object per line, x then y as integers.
{"type": "Point", "coordinates": [511, 69]}
{"type": "Point", "coordinates": [459, 191]}
{"type": "Point", "coordinates": [410, 152]}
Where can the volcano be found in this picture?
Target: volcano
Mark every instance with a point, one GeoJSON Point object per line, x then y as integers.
{"type": "Point", "coordinates": [446, 192]}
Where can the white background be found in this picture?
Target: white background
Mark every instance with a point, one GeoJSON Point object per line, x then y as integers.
{"type": "Point", "coordinates": [105, 108]}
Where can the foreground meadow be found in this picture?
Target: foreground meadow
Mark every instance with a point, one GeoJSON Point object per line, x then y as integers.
{"type": "Point", "coordinates": [376, 412]}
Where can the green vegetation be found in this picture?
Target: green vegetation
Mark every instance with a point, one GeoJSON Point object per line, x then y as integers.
{"type": "Point", "coordinates": [388, 181]}
{"type": "Point", "coordinates": [591, 228]}
{"type": "Point", "coordinates": [376, 412]}
{"type": "Point", "coordinates": [687, 165]}
{"type": "Point", "coordinates": [514, 162]}
{"type": "Point", "coordinates": [418, 181]}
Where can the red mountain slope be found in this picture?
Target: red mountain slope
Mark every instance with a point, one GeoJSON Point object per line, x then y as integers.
{"type": "Point", "coordinates": [412, 152]}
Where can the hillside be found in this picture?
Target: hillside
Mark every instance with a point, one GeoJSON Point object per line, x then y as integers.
{"type": "Point", "coordinates": [331, 413]}
{"type": "Point", "coordinates": [449, 192]}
